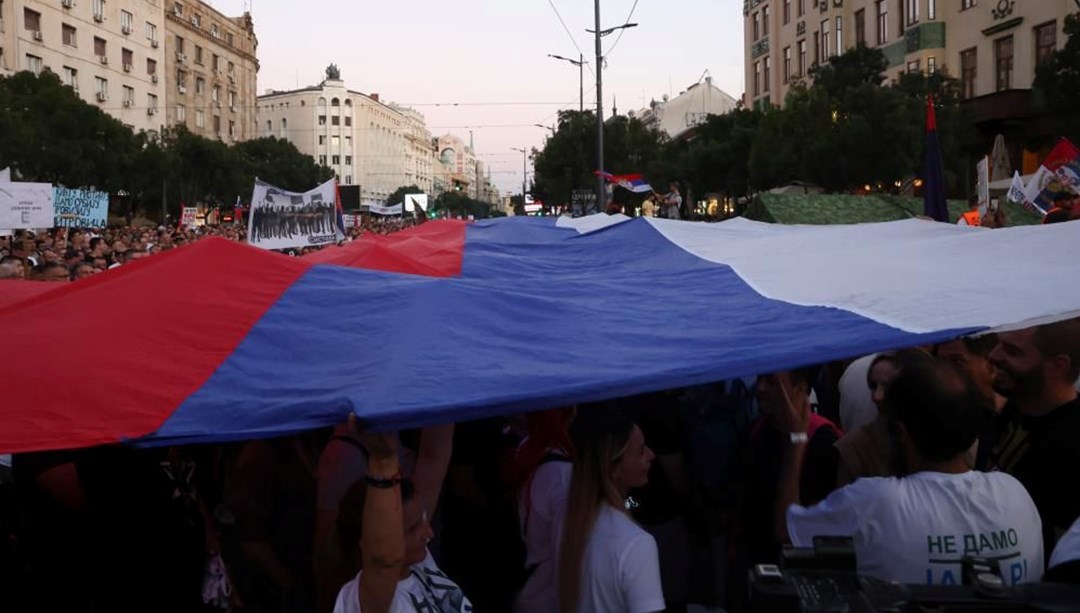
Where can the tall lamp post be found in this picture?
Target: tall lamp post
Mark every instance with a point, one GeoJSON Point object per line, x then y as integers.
{"type": "Point", "coordinates": [598, 34]}
{"type": "Point", "coordinates": [580, 63]}
{"type": "Point", "coordinates": [524, 172]}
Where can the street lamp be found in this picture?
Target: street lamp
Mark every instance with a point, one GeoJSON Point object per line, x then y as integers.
{"type": "Point", "coordinates": [540, 125]}
{"type": "Point", "coordinates": [598, 34]}
{"type": "Point", "coordinates": [524, 172]}
{"type": "Point", "coordinates": [580, 63]}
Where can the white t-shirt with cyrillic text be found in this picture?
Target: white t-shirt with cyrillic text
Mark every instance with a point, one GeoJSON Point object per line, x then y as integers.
{"type": "Point", "coordinates": [916, 529]}
{"type": "Point", "coordinates": [620, 572]}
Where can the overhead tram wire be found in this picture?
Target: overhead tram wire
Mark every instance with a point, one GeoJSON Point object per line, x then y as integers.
{"type": "Point", "coordinates": [569, 33]}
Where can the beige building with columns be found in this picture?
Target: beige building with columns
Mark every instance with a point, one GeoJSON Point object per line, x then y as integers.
{"type": "Point", "coordinates": [992, 46]}
{"type": "Point", "coordinates": [110, 52]}
{"type": "Point", "coordinates": [211, 71]}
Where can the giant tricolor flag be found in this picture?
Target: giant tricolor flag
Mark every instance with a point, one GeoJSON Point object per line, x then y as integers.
{"type": "Point", "coordinates": [935, 205]}
{"type": "Point", "coordinates": [632, 182]}
{"type": "Point", "coordinates": [451, 321]}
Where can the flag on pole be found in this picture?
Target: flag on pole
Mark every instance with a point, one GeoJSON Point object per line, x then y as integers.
{"type": "Point", "coordinates": [1016, 192]}
{"type": "Point", "coordinates": [238, 210]}
{"type": "Point", "coordinates": [934, 200]}
{"type": "Point", "coordinates": [631, 182]}
{"type": "Point", "coordinates": [1053, 176]}
{"type": "Point", "coordinates": [337, 207]}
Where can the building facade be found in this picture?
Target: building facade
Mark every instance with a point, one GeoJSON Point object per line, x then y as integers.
{"type": "Point", "coordinates": [992, 46]}
{"type": "Point", "coordinates": [109, 51]}
{"type": "Point", "coordinates": [211, 71]}
{"type": "Point", "coordinates": [459, 163]}
{"type": "Point", "coordinates": [378, 146]}
{"type": "Point", "coordinates": [678, 116]}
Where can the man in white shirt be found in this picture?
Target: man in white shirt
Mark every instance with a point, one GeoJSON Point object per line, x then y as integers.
{"type": "Point", "coordinates": [916, 529]}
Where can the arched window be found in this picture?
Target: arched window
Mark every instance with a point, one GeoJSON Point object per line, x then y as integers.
{"type": "Point", "coordinates": [335, 102]}
{"type": "Point", "coordinates": [284, 127]}
{"type": "Point", "coordinates": [269, 127]}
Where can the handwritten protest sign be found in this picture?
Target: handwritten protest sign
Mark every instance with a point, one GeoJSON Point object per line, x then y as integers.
{"type": "Point", "coordinates": [76, 208]}
{"type": "Point", "coordinates": [26, 205]}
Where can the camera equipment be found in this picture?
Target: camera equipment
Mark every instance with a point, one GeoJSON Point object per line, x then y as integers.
{"type": "Point", "coordinates": [824, 579]}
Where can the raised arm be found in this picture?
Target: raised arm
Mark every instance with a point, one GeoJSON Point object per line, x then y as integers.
{"type": "Point", "coordinates": [382, 540]}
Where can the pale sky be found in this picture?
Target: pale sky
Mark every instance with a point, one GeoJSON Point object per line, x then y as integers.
{"type": "Point", "coordinates": [425, 52]}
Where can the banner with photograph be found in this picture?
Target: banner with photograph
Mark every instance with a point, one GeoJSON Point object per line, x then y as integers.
{"type": "Point", "coordinates": [280, 219]}
{"type": "Point", "coordinates": [26, 205]}
{"type": "Point", "coordinates": [77, 208]}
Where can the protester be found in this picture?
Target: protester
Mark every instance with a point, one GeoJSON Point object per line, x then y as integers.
{"type": "Point", "coordinates": [607, 563]}
{"type": "Point", "coordinates": [915, 529]}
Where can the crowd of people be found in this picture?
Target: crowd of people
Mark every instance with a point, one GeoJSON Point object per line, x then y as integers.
{"type": "Point", "coordinates": [657, 502]}
{"type": "Point", "coordinates": [70, 254]}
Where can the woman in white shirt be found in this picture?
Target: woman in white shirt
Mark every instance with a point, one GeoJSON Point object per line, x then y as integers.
{"type": "Point", "coordinates": [540, 477]}
{"type": "Point", "coordinates": [607, 563]}
{"type": "Point", "coordinates": [398, 574]}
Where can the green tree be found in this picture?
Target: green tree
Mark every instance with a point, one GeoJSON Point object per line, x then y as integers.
{"type": "Point", "coordinates": [458, 204]}
{"type": "Point", "coordinates": [1057, 83]}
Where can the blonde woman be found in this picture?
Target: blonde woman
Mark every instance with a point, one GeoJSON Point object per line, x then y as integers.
{"type": "Point", "coordinates": [607, 563]}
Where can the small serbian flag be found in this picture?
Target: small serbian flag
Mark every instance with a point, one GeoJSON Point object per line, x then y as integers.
{"type": "Point", "coordinates": [633, 182]}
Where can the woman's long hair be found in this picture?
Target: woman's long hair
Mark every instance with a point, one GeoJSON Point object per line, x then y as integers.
{"type": "Point", "coordinates": [546, 430]}
{"type": "Point", "coordinates": [599, 442]}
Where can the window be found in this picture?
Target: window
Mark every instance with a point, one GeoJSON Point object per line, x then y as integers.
{"type": "Point", "coordinates": [825, 46]}
{"type": "Point", "coordinates": [151, 66]}
{"type": "Point", "coordinates": [1003, 60]}
{"type": "Point", "coordinates": [757, 25]}
{"type": "Point", "coordinates": [322, 120]}
{"type": "Point", "coordinates": [198, 55]}
{"type": "Point", "coordinates": [99, 47]}
{"type": "Point", "coordinates": [200, 85]}
{"type": "Point", "coordinates": [322, 139]}
{"type": "Point", "coordinates": [802, 7]}
{"type": "Point", "coordinates": [348, 160]}
{"type": "Point", "coordinates": [757, 79]}
{"type": "Point", "coordinates": [787, 12]}
{"type": "Point", "coordinates": [232, 128]}
{"type": "Point", "coordinates": [765, 20]}
{"type": "Point", "coordinates": [178, 9]}
{"type": "Point", "coordinates": [968, 65]}
{"type": "Point", "coordinates": [32, 20]}
{"type": "Point", "coordinates": [348, 179]}
{"type": "Point", "coordinates": [181, 112]}
{"type": "Point", "coordinates": [348, 121]}
{"type": "Point", "coordinates": [33, 63]}
{"type": "Point", "coordinates": [101, 86]}
{"type": "Point", "coordinates": [71, 77]}
{"type": "Point", "coordinates": [99, 9]}
{"type": "Point", "coordinates": [269, 127]}
{"type": "Point", "coordinates": [68, 35]}
{"type": "Point", "coordinates": [217, 62]}
{"type": "Point", "coordinates": [126, 20]}
{"type": "Point", "coordinates": [768, 73]}
{"type": "Point", "coordinates": [882, 7]}
{"type": "Point", "coordinates": [335, 120]}
{"type": "Point", "coordinates": [860, 27]}
{"type": "Point", "coordinates": [1045, 41]}
{"type": "Point", "coordinates": [931, 65]}
{"type": "Point", "coordinates": [196, 20]}
{"type": "Point", "coordinates": [931, 9]}
{"type": "Point", "coordinates": [181, 78]}
{"type": "Point", "coordinates": [127, 57]}
{"type": "Point", "coordinates": [151, 32]}
{"type": "Point", "coordinates": [129, 95]}
{"type": "Point", "coordinates": [913, 66]}
{"type": "Point", "coordinates": [214, 30]}
{"type": "Point", "coordinates": [802, 58]}
{"type": "Point", "coordinates": [335, 160]}
{"type": "Point", "coordinates": [232, 98]}
{"type": "Point", "coordinates": [911, 12]}
{"type": "Point", "coordinates": [839, 35]}
{"type": "Point", "coordinates": [216, 93]}
{"type": "Point", "coordinates": [179, 44]}
{"type": "Point", "coordinates": [151, 101]}
{"type": "Point", "coordinates": [787, 65]}
{"type": "Point", "coordinates": [284, 127]}
{"type": "Point", "coordinates": [322, 160]}
{"type": "Point", "coordinates": [232, 67]}
{"type": "Point", "coordinates": [200, 118]}
{"type": "Point", "coordinates": [968, 4]}
{"type": "Point", "coordinates": [229, 38]}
